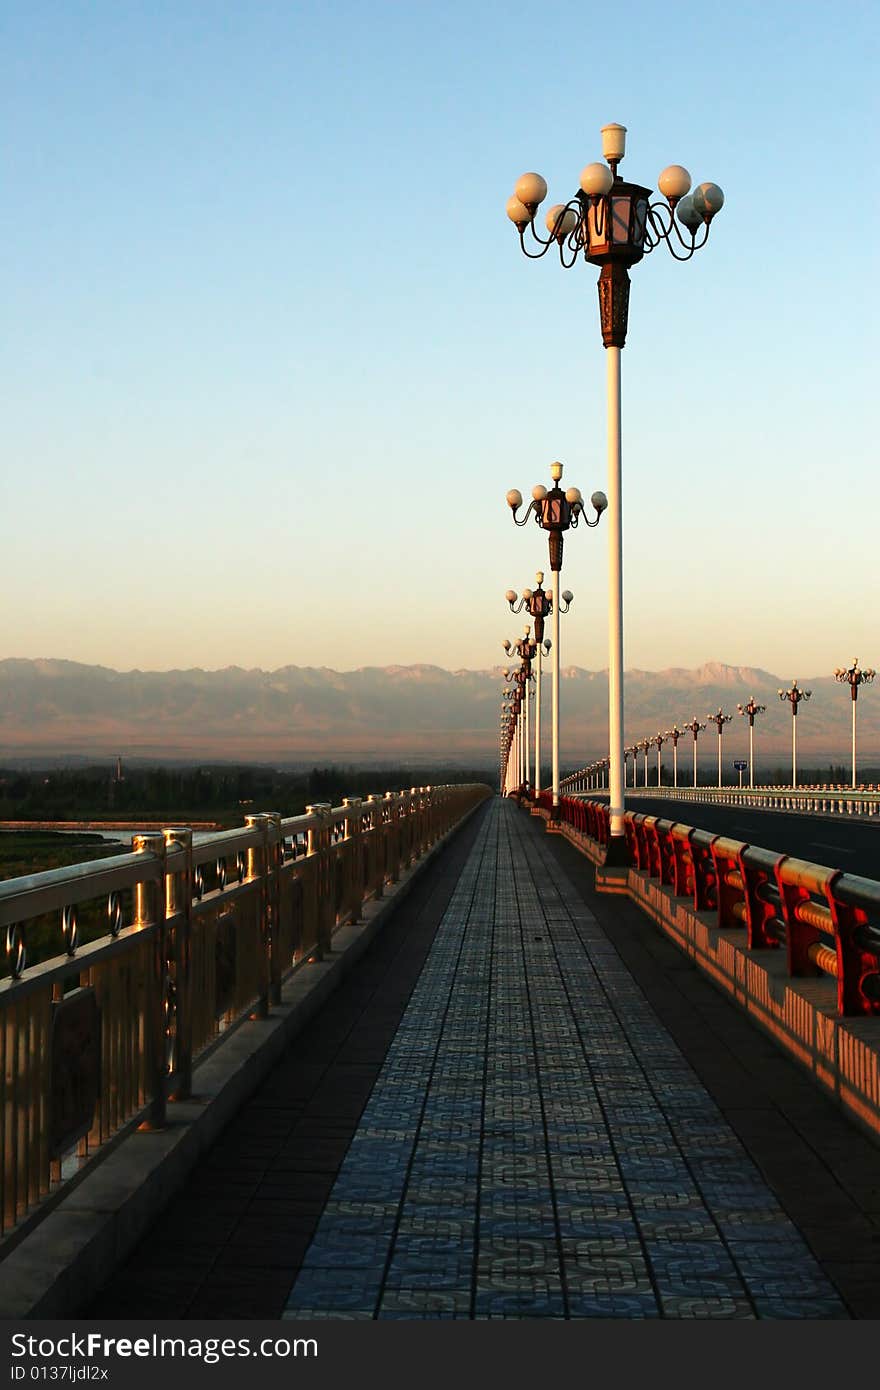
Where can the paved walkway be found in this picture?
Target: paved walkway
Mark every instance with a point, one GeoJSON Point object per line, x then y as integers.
{"type": "Point", "coordinates": [500, 1125]}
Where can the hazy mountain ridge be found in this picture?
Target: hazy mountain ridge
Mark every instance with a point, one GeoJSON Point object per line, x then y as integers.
{"type": "Point", "coordinates": [56, 706]}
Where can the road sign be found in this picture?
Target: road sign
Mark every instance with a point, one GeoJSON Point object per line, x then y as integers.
{"type": "Point", "coordinates": [740, 764]}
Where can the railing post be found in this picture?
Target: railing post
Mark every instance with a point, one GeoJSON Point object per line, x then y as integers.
{"type": "Point", "coordinates": [257, 868]}
{"type": "Point", "coordinates": [178, 911]}
{"type": "Point", "coordinates": [149, 911]}
{"type": "Point", "coordinates": [274, 858]}
{"type": "Point", "coordinates": [392, 801]}
{"type": "Point", "coordinates": [377, 845]}
{"type": "Point", "coordinates": [319, 843]}
{"type": "Point", "coordinates": [353, 857]}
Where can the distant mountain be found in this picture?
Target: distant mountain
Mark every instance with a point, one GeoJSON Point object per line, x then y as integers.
{"type": "Point", "coordinates": [381, 712]}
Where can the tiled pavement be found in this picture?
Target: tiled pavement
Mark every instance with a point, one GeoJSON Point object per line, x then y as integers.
{"type": "Point", "coordinates": [530, 1142]}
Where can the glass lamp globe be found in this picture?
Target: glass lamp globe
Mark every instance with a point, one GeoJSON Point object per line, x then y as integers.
{"type": "Point", "coordinates": [674, 182]}
{"type": "Point", "coordinates": [531, 190]}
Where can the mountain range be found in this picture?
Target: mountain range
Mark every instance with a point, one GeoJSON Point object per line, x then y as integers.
{"type": "Point", "coordinates": [53, 707]}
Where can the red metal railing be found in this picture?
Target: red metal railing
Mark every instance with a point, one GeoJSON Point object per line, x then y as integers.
{"type": "Point", "coordinates": [827, 921]}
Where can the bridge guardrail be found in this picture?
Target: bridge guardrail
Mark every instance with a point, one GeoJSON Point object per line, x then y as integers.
{"type": "Point", "coordinates": [827, 921]}
{"type": "Point", "coordinates": [836, 801]}
{"type": "Point", "coordinates": [199, 937]}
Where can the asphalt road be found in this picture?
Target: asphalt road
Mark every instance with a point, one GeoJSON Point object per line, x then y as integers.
{"type": "Point", "coordinates": [836, 841]}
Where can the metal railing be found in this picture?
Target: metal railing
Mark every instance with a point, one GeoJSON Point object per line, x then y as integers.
{"type": "Point", "coordinates": [839, 801]}
{"type": "Point", "coordinates": [102, 1036]}
{"type": "Point", "coordinates": [827, 921]}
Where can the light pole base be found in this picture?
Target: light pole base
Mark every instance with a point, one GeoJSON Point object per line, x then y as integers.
{"type": "Point", "coordinates": [616, 853]}
{"type": "Point", "coordinates": [555, 813]}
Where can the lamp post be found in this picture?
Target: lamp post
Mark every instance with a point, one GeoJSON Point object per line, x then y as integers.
{"type": "Point", "coordinates": [719, 720]}
{"type": "Point", "coordinates": [853, 677]}
{"type": "Point", "coordinates": [523, 676]}
{"type": "Point", "coordinates": [555, 512]}
{"type": "Point", "coordinates": [644, 746]}
{"type": "Point", "coordinates": [626, 753]}
{"type": "Point", "coordinates": [794, 697]}
{"type": "Point", "coordinates": [539, 603]}
{"type": "Point", "coordinates": [695, 726]}
{"type": "Point", "coordinates": [659, 740]}
{"type": "Point", "coordinates": [751, 709]}
{"type": "Point", "coordinates": [675, 734]}
{"type": "Point", "coordinates": [526, 650]}
{"type": "Point", "coordinates": [613, 224]}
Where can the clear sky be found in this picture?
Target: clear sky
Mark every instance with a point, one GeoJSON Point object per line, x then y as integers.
{"type": "Point", "coordinates": [271, 356]}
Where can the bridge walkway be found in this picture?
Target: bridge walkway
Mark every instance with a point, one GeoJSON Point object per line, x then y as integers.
{"type": "Point", "coordinates": [524, 1102]}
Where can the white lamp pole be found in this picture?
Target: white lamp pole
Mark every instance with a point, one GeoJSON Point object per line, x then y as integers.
{"type": "Point", "coordinates": [853, 677]}
{"type": "Point", "coordinates": [675, 734]}
{"type": "Point", "coordinates": [719, 720]}
{"type": "Point", "coordinates": [613, 224]}
{"type": "Point", "coordinates": [555, 512]}
{"type": "Point", "coordinates": [794, 697]}
{"type": "Point", "coordinates": [695, 726]}
{"type": "Point", "coordinates": [751, 709]}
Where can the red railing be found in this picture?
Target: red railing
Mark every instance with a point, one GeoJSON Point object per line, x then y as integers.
{"type": "Point", "coordinates": [827, 921]}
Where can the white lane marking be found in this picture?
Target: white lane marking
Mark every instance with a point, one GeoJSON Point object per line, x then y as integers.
{"type": "Point", "coordinates": [838, 849]}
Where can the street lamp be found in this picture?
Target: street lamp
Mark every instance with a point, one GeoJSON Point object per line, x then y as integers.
{"type": "Point", "coordinates": [523, 678]}
{"type": "Point", "coordinates": [626, 754]}
{"type": "Point", "coordinates": [719, 720]}
{"type": "Point", "coordinates": [794, 697]}
{"type": "Point", "coordinates": [539, 604]}
{"type": "Point", "coordinates": [644, 746]}
{"type": "Point", "coordinates": [555, 512]}
{"type": "Point", "coordinates": [853, 677]}
{"type": "Point", "coordinates": [525, 649]}
{"type": "Point", "coordinates": [614, 224]}
{"type": "Point", "coordinates": [751, 709]}
{"type": "Point", "coordinates": [695, 727]}
{"type": "Point", "coordinates": [675, 734]}
{"type": "Point", "coordinates": [659, 740]}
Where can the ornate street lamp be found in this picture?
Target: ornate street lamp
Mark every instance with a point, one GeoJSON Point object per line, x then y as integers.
{"type": "Point", "coordinates": [632, 750]}
{"type": "Point", "coordinates": [675, 734]}
{"type": "Point", "coordinates": [539, 603]}
{"type": "Point", "coordinates": [659, 740]}
{"type": "Point", "coordinates": [695, 727]}
{"type": "Point", "coordinates": [719, 720]}
{"type": "Point", "coordinates": [523, 677]}
{"type": "Point", "coordinates": [751, 709]}
{"type": "Point", "coordinates": [794, 697]}
{"type": "Point", "coordinates": [613, 224]}
{"type": "Point", "coordinates": [853, 677]}
{"type": "Point", "coordinates": [556, 512]}
{"type": "Point", "coordinates": [644, 746]}
{"type": "Point", "coordinates": [525, 649]}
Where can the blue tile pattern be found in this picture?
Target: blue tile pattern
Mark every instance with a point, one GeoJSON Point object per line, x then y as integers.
{"type": "Point", "coordinates": [536, 1146]}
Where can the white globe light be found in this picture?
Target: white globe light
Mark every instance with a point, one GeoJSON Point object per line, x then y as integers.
{"type": "Point", "coordinates": [708, 199]}
{"type": "Point", "coordinates": [567, 596]}
{"type": "Point", "coordinates": [531, 189]}
{"type": "Point", "coordinates": [539, 492]}
{"type": "Point", "coordinates": [561, 221]}
{"type": "Point", "coordinates": [573, 496]}
{"type": "Point", "coordinates": [596, 180]}
{"type": "Point", "coordinates": [527, 594]}
{"type": "Point", "coordinates": [510, 595]}
{"type": "Point", "coordinates": [514, 498]}
{"type": "Point", "coordinates": [599, 501]}
{"type": "Point", "coordinates": [687, 214]}
{"type": "Point", "coordinates": [674, 182]}
{"type": "Point", "coordinates": [518, 213]}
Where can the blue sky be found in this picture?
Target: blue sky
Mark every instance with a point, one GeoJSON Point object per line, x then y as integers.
{"type": "Point", "coordinates": [271, 355]}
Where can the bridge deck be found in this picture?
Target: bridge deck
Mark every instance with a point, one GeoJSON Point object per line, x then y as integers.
{"type": "Point", "coordinates": [523, 1103]}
